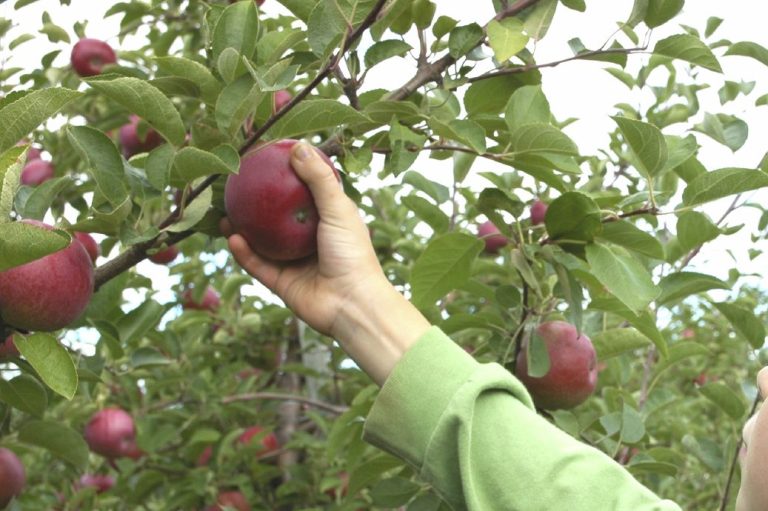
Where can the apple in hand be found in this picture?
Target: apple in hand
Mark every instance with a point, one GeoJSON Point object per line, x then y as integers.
{"type": "Point", "coordinates": [572, 374]}
{"type": "Point", "coordinates": [36, 172]}
{"type": "Point", "coordinates": [48, 293]}
{"type": "Point", "coordinates": [89, 56]}
{"type": "Point", "coordinates": [230, 499]}
{"type": "Point", "coordinates": [112, 433]}
{"type": "Point", "coordinates": [12, 476]}
{"type": "Point", "coordinates": [165, 256]}
{"type": "Point", "coordinates": [8, 349]}
{"type": "Point", "coordinates": [270, 206]}
{"type": "Point", "coordinates": [90, 245]}
{"type": "Point", "coordinates": [538, 212]}
{"type": "Point", "coordinates": [493, 238]}
{"type": "Point", "coordinates": [209, 302]}
{"type": "Point", "coordinates": [132, 143]}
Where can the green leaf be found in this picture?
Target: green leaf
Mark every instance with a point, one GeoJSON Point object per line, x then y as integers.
{"type": "Point", "coordinates": [25, 393]}
{"type": "Point", "coordinates": [393, 492]}
{"type": "Point", "coordinates": [238, 28]}
{"type": "Point", "coordinates": [576, 5]}
{"type": "Point", "coordinates": [148, 356]}
{"type": "Point", "coordinates": [573, 216]}
{"type": "Point", "coordinates": [749, 49]}
{"type": "Point", "coordinates": [36, 204]}
{"type": "Point", "coordinates": [325, 28]}
{"type": "Point", "coordinates": [191, 163]}
{"type": "Point", "coordinates": [630, 237]}
{"type": "Point", "coordinates": [722, 183]}
{"type": "Point", "coordinates": [463, 39]}
{"type": "Point", "coordinates": [315, 115]}
{"type": "Point", "coordinates": [694, 229]}
{"type": "Point", "coordinates": [728, 400]}
{"type": "Point", "coordinates": [134, 325]}
{"type": "Point", "coordinates": [622, 275]}
{"type": "Point", "coordinates": [444, 265]}
{"type": "Point", "coordinates": [55, 33]}
{"type": "Point", "coordinates": [104, 162]}
{"type": "Point", "coordinates": [61, 441]}
{"type": "Point", "coordinates": [690, 49]}
{"type": "Point", "coordinates": [616, 341]}
{"type": "Point", "coordinates": [19, 117]}
{"type": "Point", "coordinates": [11, 164]}
{"type": "Point", "coordinates": [527, 105]}
{"type": "Point", "coordinates": [643, 322]}
{"type": "Point", "coordinates": [464, 131]}
{"type": "Point", "coordinates": [192, 71]}
{"type": "Point", "coordinates": [506, 38]}
{"type": "Point", "coordinates": [647, 145]}
{"type": "Point", "coordinates": [51, 361]}
{"type": "Point", "coordinates": [679, 150]}
{"type": "Point", "coordinates": [193, 212]}
{"type": "Point", "coordinates": [21, 243]}
{"type": "Point", "coordinates": [428, 212]}
{"type": "Point", "coordinates": [680, 285]}
{"type": "Point", "coordinates": [541, 138]}
{"type": "Point", "coordinates": [712, 24]}
{"type": "Point", "coordinates": [146, 101]}
{"type": "Point", "coordinates": [639, 10]}
{"type": "Point", "coordinates": [744, 322]}
{"type": "Point", "coordinates": [439, 193]}
{"type": "Point", "coordinates": [726, 129]}
{"type": "Point", "coordinates": [661, 11]}
{"type": "Point", "coordinates": [383, 50]}
{"type": "Point", "coordinates": [236, 102]}
{"type": "Point", "coordinates": [158, 166]}
{"type": "Point", "coordinates": [538, 21]}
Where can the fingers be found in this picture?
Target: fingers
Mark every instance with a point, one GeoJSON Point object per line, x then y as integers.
{"type": "Point", "coordinates": [762, 382]}
{"type": "Point", "coordinates": [320, 177]}
{"type": "Point", "coordinates": [265, 271]}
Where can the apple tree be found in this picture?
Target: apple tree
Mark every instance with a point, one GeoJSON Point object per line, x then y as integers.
{"type": "Point", "coordinates": [189, 388]}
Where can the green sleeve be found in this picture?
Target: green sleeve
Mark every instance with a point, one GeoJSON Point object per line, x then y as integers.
{"type": "Point", "coordinates": [470, 430]}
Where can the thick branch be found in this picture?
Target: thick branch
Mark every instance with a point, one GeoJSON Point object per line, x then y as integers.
{"type": "Point", "coordinates": [277, 396]}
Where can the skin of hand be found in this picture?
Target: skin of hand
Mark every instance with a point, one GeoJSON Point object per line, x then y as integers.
{"type": "Point", "coordinates": [753, 493]}
{"type": "Point", "coordinates": [342, 291]}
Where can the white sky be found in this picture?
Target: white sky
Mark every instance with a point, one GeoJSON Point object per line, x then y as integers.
{"type": "Point", "coordinates": [577, 89]}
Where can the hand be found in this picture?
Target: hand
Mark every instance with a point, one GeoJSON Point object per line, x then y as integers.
{"type": "Point", "coordinates": [753, 494]}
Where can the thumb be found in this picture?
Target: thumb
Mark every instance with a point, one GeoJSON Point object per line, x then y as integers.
{"type": "Point", "coordinates": [319, 176]}
{"type": "Point", "coordinates": [762, 382]}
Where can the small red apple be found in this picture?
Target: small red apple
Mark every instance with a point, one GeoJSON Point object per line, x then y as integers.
{"type": "Point", "coordinates": [112, 433]}
{"type": "Point", "coordinates": [132, 143]}
{"type": "Point", "coordinates": [269, 441]}
{"type": "Point", "coordinates": [8, 349]}
{"type": "Point", "coordinates": [12, 476]}
{"type": "Point", "coordinates": [493, 238]}
{"type": "Point", "coordinates": [48, 293]}
{"type": "Point", "coordinates": [90, 245]}
{"type": "Point", "coordinates": [230, 499]}
{"type": "Point", "coordinates": [538, 212]}
{"type": "Point", "coordinates": [100, 482]}
{"type": "Point", "coordinates": [205, 456]}
{"type": "Point", "coordinates": [36, 172]}
{"type": "Point", "coordinates": [165, 256]}
{"type": "Point", "coordinates": [688, 333]}
{"type": "Point", "coordinates": [89, 56]}
{"type": "Point", "coordinates": [572, 374]}
{"type": "Point", "coordinates": [209, 302]}
{"type": "Point", "coordinates": [33, 153]}
{"type": "Point", "coordinates": [270, 206]}
{"type": "Point", "coordinates": [282, 98]}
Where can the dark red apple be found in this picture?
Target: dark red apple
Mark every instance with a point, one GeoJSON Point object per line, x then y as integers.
{"type": "Point", "coordinates": [12, 476]}
{"type": "Point", "coordinates": [538, 212]}
{"type": "Point", "coordinates": [8, 349]}
{"type": "Point", "coordinates": [232, 499]}
{"type": "Point", "coordinates": [209, 302]}
{"type": "Point", "coordinates": [100, 482]}
{"type": "Point", "coordinates": [49, 293]}
{"type": "Point", "coordinates": [33, 153]}
{"type": "Point", "coordinates": [89, 56]}
{"type": "Point", "coordinates": [493, 238]}
{"type": "Point", "coordinates": [36, 172]}
{"type": "Point", "coordinates": [132, 143]}
{"type": "Point", "coordinates": [572, 374]}
{"type": "Point", "coordinates": [270, 206]}
{"type": "Point", "coordinates": [90, 245]}
{"type": "Point", "coordinates": [165, 256]}
{"type": "Point", "coordinates": [205, 456]}
{"type": "Point", "coordinates": [112, 433]}
{"type": "Point", "coordinates": [269, 441]}
{"type": "Point", "coordinates": [282, 98]}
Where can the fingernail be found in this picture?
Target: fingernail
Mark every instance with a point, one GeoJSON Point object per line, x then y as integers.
{"type": "Point", "coordinates": [303, 151]}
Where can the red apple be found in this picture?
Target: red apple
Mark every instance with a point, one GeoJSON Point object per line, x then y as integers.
{"type": "Point", "coordinates": [36, 172]}
{"type": "Point", "coordinates": [90, 245]}
{"type": "Point", "coordinates": [688, 333]}
{"type": "Point", "coordinates": [111, 433]}
{"type": "Point", "coordinates": [282, 98]}
{"type": "Point", "coordinates": [493, 238]}
{"type": "Point", "coordinates": [205, 456]}
{"type": "Point", "coordinates": [232, 499]}
{"type": "Point", "coordinates": [165, 255]}
{"type": "Point", "coordinates": [270, 206]}
{"type": "Point", "coordinates": [538, 212]}
{"type": "Point", "coordinates": [12, 476]}
{"type": "Point", "coordinates": [49, 293]}
{"type": "Point", "coordinates": [269, 441]}
{"type": "Point", "coordinates": [132, 143]}
{"type": "Point", "coordinates": [100, 482]}
{"type": "Point", "coordinates": [210, 301]}
{"type": "Point", "coordinates": [89, 56]}
{"type": "Point", "coordinates": [33, 153]}
{"type": "Point", "coordinates": [8, 349]}
{"type": "Point", "coordinates": [572, 374]}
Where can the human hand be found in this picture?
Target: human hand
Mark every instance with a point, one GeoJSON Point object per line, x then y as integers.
{"type": "Point", "coordinates": [753, 493]}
